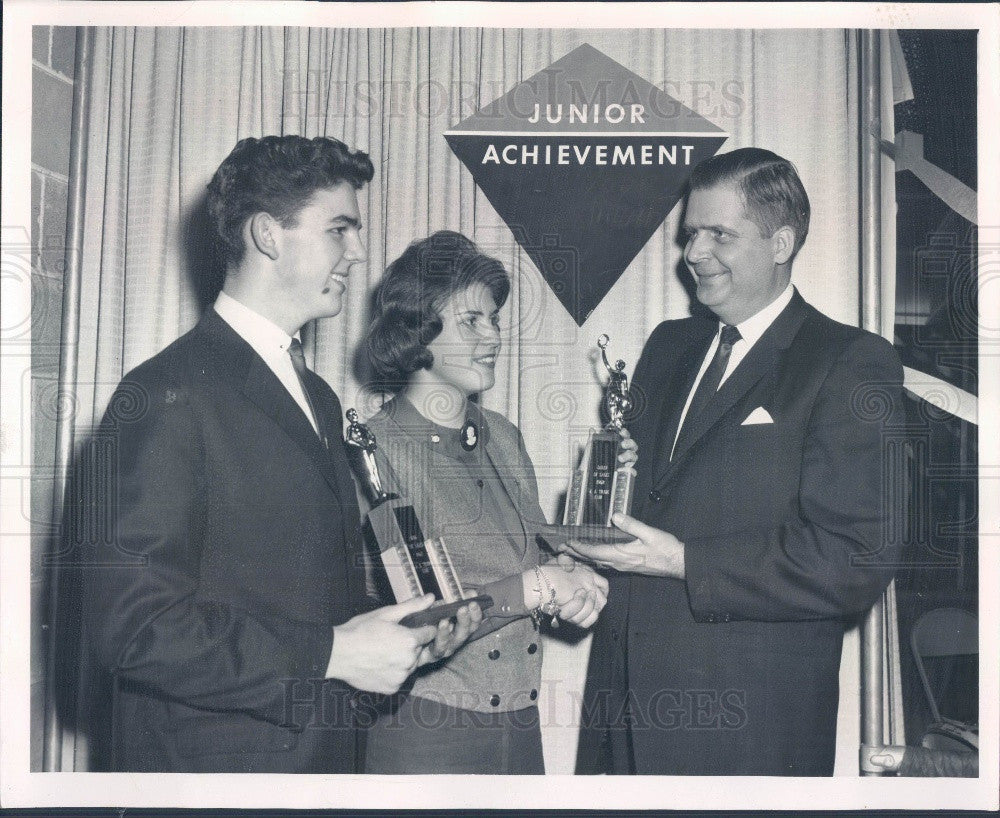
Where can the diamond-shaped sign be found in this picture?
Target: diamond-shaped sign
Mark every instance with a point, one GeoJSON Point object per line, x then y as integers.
{"type": "Point", "coordinates": [583, 161]}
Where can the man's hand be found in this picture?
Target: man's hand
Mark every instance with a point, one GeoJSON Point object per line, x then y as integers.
{"type": "Point", "coordinates": [586, 605]}
{"type": "Point", "coordinates": [584, 608]}
{"type": "Point", "coordinates": [629, 448]}
{"type": "Point", "coordinates": [374, 652]}
{"type": "Point", "coordinates": [654, 552]}
{"type": "Point", "coordinates": [451, 635]}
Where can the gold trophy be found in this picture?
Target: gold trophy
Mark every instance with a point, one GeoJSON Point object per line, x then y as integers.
{"type": "Point", "coordinates": [412, 564]}
{"type": "Point", "coordinates": [600, 487]}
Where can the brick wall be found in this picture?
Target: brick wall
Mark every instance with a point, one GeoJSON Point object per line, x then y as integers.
{"type": "Point", "coordinates": [52, 79]}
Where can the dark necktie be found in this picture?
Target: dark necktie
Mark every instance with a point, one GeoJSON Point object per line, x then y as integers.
{"type": "Point", "coordinates": [710, 381]}
{"type": "Point", "coordinates": [299, 362]}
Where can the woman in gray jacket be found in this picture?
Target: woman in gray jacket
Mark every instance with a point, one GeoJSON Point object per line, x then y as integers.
{"type": "Point", "coordinates": [433, 343]}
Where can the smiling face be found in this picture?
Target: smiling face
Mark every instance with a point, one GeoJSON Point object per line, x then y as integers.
{"type": "Point", "coordinates": [466, 350]}
{"type": "Point", "coordinates": [317, 251]}
{"type": "Point", "coordinates": [738, 272]}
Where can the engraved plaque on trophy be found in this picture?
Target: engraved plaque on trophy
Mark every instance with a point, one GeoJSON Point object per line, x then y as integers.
{"type": "Point", "coordinates": [407, 563]}
{"type": "Point", "coordinates": [600, 486]}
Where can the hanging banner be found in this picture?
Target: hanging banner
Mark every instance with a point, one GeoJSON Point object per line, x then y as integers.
{"type": "Point", "coordinates": [583, 161]}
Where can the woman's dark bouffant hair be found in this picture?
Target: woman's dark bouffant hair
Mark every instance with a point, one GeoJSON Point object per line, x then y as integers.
{"type": "Point", "coordinates": [408, 301]}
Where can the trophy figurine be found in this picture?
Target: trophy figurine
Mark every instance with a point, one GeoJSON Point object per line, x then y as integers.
{"type": "Point", "coordinates": [412, 564]}
{"type": "Point", "coordinates": [600, 487]}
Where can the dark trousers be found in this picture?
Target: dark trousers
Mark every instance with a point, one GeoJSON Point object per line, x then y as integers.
{"type": "Point", "coordinates": [423, 736]}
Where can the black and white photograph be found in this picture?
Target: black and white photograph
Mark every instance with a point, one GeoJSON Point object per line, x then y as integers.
{"type": "Point", "coordinates": [401, 397]}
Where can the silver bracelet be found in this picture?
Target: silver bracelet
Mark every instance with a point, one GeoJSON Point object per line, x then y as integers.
{"type": "Point", "coordinates": [549, 608]}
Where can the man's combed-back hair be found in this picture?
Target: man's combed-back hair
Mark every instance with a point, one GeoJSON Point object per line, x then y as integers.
{"type": "Point", "coordinates": [407, 315]}
{"type": "Point", "coordinates": [276, 175]}
{"type": "Point", "coordinates": [773, 195]}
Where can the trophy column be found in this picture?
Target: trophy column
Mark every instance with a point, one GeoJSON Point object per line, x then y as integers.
{"type": "Point", "coordinates": [411, 563]}
{"type": "Point", "coordinates": [600, 487]}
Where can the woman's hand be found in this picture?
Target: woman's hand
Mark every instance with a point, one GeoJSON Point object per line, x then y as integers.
{"type": "Point", "coordinates": [568, 577]}
{"type": "Point", "coordinates": [580, 592]}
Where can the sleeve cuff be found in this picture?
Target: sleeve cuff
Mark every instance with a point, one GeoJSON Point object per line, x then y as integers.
{"type": "Point", "coordinates": [327, 646]}
{"type": "Point", "coordinates": [508, 597]}
{"type": "Point", "coordinates": [308, 657]}
{"type": "Point", "coordinates": [698, 581]}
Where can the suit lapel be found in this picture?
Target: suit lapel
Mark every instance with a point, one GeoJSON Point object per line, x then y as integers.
{"type": "Point", "coordinates": [675, 394]}
{"type": "Point", "coordinates": [247, 371]}
{"type": "Point", "coordinates": [757, 363]}
{"type": "Point", "coordinates": [330, 422]}
{"type": "Point", "coordinates": [264, 389]}
{"type": "Point", "coordinates": [751, 369]}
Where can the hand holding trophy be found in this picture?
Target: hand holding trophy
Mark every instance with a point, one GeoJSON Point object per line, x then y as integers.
{"type": "Point", "coordinates": [412, 564]}
{"type": "Point", "coordinates": [602, 485]}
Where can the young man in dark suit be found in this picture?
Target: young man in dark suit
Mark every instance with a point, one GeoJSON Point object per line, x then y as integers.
{"type": "Point", "coordinates": [760, 509]}
{"type": "Point", "coordinates": [228, 603]}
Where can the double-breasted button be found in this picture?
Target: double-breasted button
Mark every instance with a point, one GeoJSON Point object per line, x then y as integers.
{"type": "Point", "coordinates": [614, 634]}
{"type": "Point", "coordinates": [533, 694]}
{"type": "Point", "coordinates": [532, 648]}
{"type": "Point", "coordinates": [495, 700]}
{"type": "Point", "coordinates": [480, 483]}
{"type": "Point", "coordinates": [494, 654]}
{"type": "Point", "coordinates": [655, 496]}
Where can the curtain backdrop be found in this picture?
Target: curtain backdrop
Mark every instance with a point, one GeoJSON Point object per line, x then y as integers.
{"type": "Point", "coordinates": [168, 104]}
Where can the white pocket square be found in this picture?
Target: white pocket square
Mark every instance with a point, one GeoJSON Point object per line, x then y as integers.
{"type": "Point", "coordinates": [758, 416]}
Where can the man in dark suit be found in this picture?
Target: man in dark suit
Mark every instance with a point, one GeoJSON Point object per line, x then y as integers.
{"type": "Point", "coordinates": [227, 604]}
{"type": "Point", "coordinates": [761, 499]}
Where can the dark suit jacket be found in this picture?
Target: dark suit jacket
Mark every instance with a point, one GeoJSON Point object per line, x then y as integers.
{"type": "Point", "coordinates": [735, 669]}
{"type": "Point", "coordinates": [233, 551]}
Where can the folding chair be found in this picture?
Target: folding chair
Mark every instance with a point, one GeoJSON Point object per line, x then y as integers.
{"type": "Point", "coordinates": [945, 633]}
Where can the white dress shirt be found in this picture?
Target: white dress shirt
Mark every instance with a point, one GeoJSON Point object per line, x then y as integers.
{"type": "Point", "coordinates": [750, 332]}
{"type": "Point", "coordinates": [270, 342]}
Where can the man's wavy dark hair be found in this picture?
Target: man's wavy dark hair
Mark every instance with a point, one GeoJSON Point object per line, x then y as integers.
{"type": "Point", "coordinates": [407, 313]}
{"type": "Point", "coordinates": [276, 175]}
{"type": "Point", "coordinates": [773, 195]}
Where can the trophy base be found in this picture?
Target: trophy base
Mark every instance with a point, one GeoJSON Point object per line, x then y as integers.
{"type": "Point", "coordinates": [590, 534]}
{"type": "Point", "coordinates": [435, 613]}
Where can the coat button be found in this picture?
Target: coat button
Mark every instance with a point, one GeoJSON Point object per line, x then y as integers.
{"type": "Point", "coordinates": [494, 654]}
{"type": "Point", "coordinates": [655, 496]}
{"type": "Point", "coordinates": [495, 700]}
{"type": "Point", "coordinates": [532, 648]}
{"type": "Point", "coordinates": [480, 483]}
{"type": "Point", "coordinates": [533, 695]}
{"type": "Point", "coordinates": [614, 634]}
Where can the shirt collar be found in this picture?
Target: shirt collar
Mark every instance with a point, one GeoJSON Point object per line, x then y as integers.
{"type": "Point", "coordinates": [266, 337]}
{"type": "Point", "coordinates": [756, 325]}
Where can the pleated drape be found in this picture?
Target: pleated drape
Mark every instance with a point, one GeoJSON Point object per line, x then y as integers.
{"type": "Point", "coordinates": [168, 104]}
